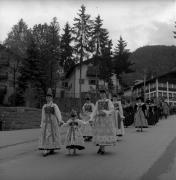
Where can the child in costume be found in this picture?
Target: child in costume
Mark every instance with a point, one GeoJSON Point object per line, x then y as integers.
{"type": "Point", "coordinates": [74, 139]}
{"type": "Point", "coordinates": [50, 139]}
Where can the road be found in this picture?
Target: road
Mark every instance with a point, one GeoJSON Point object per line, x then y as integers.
{"type": "Point", "coordinates": [150, 155]}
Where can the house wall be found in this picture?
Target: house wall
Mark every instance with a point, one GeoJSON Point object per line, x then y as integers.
{"type": "Point", "coordinates": [73, 83]}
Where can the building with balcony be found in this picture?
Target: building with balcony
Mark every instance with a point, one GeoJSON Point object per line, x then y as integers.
{"type": "Point", "coordinates": [163, 86]}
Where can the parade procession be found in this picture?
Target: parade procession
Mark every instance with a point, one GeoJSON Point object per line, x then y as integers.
{"type": "Point", "coordinates": [87, 89]}
{"type": "Point", "coordinates": [103, 123]}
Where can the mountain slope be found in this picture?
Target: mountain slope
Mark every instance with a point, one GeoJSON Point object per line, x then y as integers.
{"type": "Point", "coordinates": [153, 60]}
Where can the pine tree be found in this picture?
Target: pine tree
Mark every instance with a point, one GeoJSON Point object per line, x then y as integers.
{"type": "Point", "coordinates": [121, 58]}
{"type": "Point", "coordinates": [100, 37]}
{"type": "Point", "coordinates": [102, 50]}
{"type": "Point", "coordinates": [82, 34]}
{"type": "Point", "coordinates": [67, 60]}
{"type": "Point", "coordinates": [82, 39]}
{"type": "Point", "coordinates": [105, 64]}
{"type": "Point", "coordinates": [29, 72]}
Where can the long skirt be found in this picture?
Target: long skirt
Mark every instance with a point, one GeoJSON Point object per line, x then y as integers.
{"type": "Point", "coordinates": [104, 132]}
{"type": "Point", "coordinates": [119, 125]}
{"type": "Point", "coordinates": [50, 135]}
{"type": "Point", "coordinates": [86, 129]}
{"type": "Point", "coordinates": [74, 139]}
{"type": "Point", "coordinates": [140, 120]}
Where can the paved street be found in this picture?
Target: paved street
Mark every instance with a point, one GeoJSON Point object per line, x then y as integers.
{"type": "Point", "coordinates": [150, 155]}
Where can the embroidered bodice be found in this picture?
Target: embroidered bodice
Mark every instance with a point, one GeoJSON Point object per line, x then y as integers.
{"type": "Point", "coordinates": [116, 105]}
{"type": "Point", "coordinates": [103, 105]}
{"type": "Point", "coordinates": [88, 108]}
{"type": "Point", "coordinates": [49, 110]}
{"type": "Point", "coordinates": [73, 123]}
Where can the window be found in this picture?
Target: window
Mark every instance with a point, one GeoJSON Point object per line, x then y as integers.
{"type": "Point", "coordinates": [170, 86]}
{"type": "Point", "coordinates": [161, 85]}
{"type": "Point", "coordinates": [81, 81]}
{"type": "Point", "coordinates": [65, 84]}
{"type": "Point", "coordinates": [160, 94]}
{"type": "Point", "coordinates": [154, 94]}
{"type": "Point", "coordinates": [165, 85]}
{"type": "Point", "coordinates": [92, 82]}
{"type": "Point", "coordinates": [165, 94]}
{"type": "Point", "coordinates": [170, 95]}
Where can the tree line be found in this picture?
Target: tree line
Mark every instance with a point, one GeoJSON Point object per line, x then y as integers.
{"type": "Point", "coordinates": [42, 50]}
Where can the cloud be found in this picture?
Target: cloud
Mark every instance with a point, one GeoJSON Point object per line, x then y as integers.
{"type": "Point", "coordinates": [139, 22]}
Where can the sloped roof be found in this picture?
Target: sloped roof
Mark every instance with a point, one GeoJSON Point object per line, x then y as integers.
{"type": "Point", "coordinates": [86, 62]}
{"type": "Point", "coordinates": [173, 71]}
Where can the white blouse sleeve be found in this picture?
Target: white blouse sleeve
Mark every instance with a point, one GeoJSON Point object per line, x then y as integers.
{"type": "Point", "coordinates": [58, 113]}
{"type": "Point", "coordinates": [94, 113]}
{"type": "Point", "coordinates": [83, 108]}
{"type": "Point", "coordinates": [93, 106]}
{"type": "Point", "coordinates": [66, 124]}
{"type": "Point", "coordinates": [43, 116]}
{"type": "Point", "coordinates": [80, 122]}
{"type": "Point", "coordinates": [121, 109]}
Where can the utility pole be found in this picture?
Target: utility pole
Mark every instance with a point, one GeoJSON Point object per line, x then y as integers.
{"type": "Point", "coordinates": [144, 84]}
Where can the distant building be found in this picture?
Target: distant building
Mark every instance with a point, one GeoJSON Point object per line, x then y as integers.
{"type": "Point", "coordinates": [163, 86]}
{"type": "Point", "coordinates": [69, 85]}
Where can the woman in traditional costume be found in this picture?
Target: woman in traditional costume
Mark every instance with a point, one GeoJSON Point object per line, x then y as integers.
{"type": "Point", "coordinates": [87, 110]}
{"type": "Point", "coordinates": [50, 139]}
{"type": "Point", "coordinates": [149, 112]}
{"type": "Point", "coordinates": [119, 117]}
{"type": "Point", "coordinates": [140, 120]}
{"type": "Point", "coordinates": [165, 109]}
{"type": "Point", "coordinates": [74, 138]}
{"type": "Point", "coordinates": [104, 132]}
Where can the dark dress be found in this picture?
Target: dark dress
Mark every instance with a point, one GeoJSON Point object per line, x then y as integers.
{"type": "Point", "coordinates": [140, 116]}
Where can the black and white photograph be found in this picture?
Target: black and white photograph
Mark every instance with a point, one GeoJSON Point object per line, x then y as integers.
{"type": "Point", "coordinates": [87, 89]}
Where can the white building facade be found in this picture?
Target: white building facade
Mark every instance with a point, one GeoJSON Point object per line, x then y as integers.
{"type": "Point", "coordinates": [70, 86]}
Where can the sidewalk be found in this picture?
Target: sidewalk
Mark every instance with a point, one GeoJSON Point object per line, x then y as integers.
{"type": "Point", "coordinates": [10, 138]}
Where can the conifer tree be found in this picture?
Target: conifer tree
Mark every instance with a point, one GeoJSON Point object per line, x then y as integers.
{"type": "Point", "coordinates": [121, 58]}
{"type": "Point", "coordinates": [67, 60]}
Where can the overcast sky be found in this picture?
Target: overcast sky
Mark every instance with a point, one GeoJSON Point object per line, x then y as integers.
{"type": "Point", "coordinates": [139, 22]}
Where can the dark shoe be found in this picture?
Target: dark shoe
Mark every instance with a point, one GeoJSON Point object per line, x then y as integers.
{"type": "Point", "coordinates": [102, 152]}
{"type": "Point", "coordinates": [119, 135]}
{"type": "Point", "coordinates": [99, 151]}
{"type": "Point", "coordinates": [45, 153]}
{"type": "Point", "coordinates": [51, 152]}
